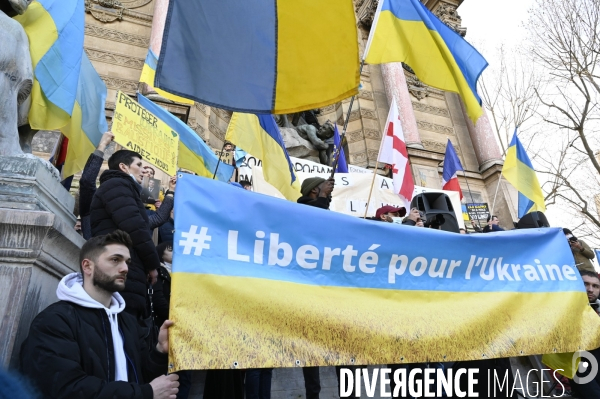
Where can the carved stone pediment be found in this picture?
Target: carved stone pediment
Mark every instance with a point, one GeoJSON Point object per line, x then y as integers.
{"type": "Point", "coordinates": [415, 87]}
{"type": "Point", "coordinates": [365, 11]}
{"type": "Point", "coordinates": [115, 10]}
{"type": "Point", "coordinates": [448, 14]}
{"type": "Point", "coordinates": [134, 3]}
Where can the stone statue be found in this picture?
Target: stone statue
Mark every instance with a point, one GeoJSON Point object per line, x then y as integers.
{"type": "Point", "coordinates": [16, 77]}
{"type": "Point", "coordinates": [306, 126]}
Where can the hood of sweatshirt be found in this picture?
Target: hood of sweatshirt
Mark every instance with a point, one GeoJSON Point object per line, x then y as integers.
{"type": "Point", "coordinates": [70, 289]}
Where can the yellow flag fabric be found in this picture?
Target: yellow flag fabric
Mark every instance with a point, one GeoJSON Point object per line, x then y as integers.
{"type": "Point", "coordinates": [406, 31]}
{"type": "Point", "coordinates": [562, 362]}
{"type": "Point", "coordinates": [260, 136]}
{"type": "Point", "coordinates": [148, 74]}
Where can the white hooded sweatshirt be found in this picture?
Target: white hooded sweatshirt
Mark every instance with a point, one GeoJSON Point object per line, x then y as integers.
{"type": "Point", "coordinates": [70, 289]}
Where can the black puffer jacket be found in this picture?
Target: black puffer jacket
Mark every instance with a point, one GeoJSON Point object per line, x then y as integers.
{"type": "Point", "coordinates": [117, 205]}
{"type": "Point", "coordinates": [69, 354]}
{"type": "Point", "coordinates": [319, 202]}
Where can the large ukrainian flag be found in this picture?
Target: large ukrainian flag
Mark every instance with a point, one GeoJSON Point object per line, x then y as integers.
{"type": "Point", "coordinates": [260, 56]}
{"type": "Point", "coordinates": [149, 73]}
{"type": "Point", "coordinates": [194, 154]}
{"type": "Point", "coordinates": [406, 31]}
{"type": "Point", "coordinates": [519, 172]}
{"type": "Point", "coordinates": [259, 135]}
{"type": "Point", "coordinates": [67, 93]}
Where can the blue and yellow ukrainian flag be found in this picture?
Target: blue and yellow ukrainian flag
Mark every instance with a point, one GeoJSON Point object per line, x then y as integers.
{"type": "Point", "coordinates": [259, 135]}
{"type": "Point", "coordinates": [148, 74]}
{"type": "Point", "coordinates": [67, 93]}
{"type": "Point", "coordinates": [519, 172]}
{"type": "Point", "coordinates": [88, 120]}
{"type": "Point", "coordinates": [260, 56]}
{"type": "Point", "coordinates": [194, 154]}
{"type": "Point", "coordinates": [406, 31]}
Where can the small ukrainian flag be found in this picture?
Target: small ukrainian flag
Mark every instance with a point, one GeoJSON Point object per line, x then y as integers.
{"type": "Point", "coordinates": [519, 172]}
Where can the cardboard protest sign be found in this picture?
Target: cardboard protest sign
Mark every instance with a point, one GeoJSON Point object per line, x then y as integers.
{"type": "Point", "coordinates": [137, 129]}
{"type": "Point", "coordinates": [352, 191]}
{"type": "Point", "coordinates": [300, 165]}
{"type": "Point", "coordinates": [478, 211]}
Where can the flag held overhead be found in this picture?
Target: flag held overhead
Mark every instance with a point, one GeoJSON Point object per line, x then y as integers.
{"type": "Point", "coordinates": [259, 135]}
{"type": "Point", "coordinates": [406, 31]}
{"type": "Point", "coordinates": [262, 56]}
{"type": "Point", "coordinates": [194, 154]}
{"type": "Point", "coordinates": [519, 172]}
{"type": "Point", "coordinates": [393, 152]}
{"type": "Point", "coordinates": [451, 166]}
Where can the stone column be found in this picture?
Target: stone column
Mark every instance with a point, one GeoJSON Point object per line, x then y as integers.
{"type": "Point", "coordinates": [159, 18]}
{"type": "Point", "coordinates": [486, 148]}
{"type": "Point", "coordinates": [156, 34]}
{"type": "Point", "coordinates": [38, 246]}
{"type": "Point", "coordinates": [395, 86]}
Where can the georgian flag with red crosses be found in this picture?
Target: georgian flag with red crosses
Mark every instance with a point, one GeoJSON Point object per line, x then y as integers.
{"type": "Point", "coordinates": [393, 152]}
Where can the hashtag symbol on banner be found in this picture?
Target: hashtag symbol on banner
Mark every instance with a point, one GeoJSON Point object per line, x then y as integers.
{"type": "Point", "coordinates": [194, 240]}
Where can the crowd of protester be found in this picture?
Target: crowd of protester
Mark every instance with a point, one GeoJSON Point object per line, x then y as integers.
{"type": "Point", "coordinates": [107, 336]}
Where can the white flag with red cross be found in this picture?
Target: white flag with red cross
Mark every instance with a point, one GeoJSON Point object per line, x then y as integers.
{"type": "Point", "coordinates": [393, 152]}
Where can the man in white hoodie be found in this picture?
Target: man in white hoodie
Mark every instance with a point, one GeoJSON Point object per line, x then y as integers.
{"type": "Point", "coordinates": [84, 346]}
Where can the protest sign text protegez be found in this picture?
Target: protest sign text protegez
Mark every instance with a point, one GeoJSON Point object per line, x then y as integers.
{"type": "Point", "coordinates": [139, 130]}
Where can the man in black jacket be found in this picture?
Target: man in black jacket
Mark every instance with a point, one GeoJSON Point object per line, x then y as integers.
{"type": "Point", "coordinates": [85, 346]}
{"type": "Point", "coordinates": [87, 183]}
{"type": "Point", "coordinates": [316, 191]}
{"type": "Point", "coordinates": [117, 206]}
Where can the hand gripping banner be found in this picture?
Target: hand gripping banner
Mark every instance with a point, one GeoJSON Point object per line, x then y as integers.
{"type": "Point", "coordinates": [264, 282]}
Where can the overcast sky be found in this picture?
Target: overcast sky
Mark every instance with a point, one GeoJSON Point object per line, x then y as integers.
{"type": "Point", "coordinates": [490, 23]}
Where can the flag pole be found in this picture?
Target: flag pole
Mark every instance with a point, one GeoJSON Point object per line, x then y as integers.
{"type": "Point", "coordinates": [219, 162]}
{"type": "Point", "coordinates": [470, 194]}
{"type": "Point", "coordinates": [343, 135]}
{"type": "Point", "coordinates": [496, 194]}
{"type": "Point", "coordinates": [375, 170]}
{"type": "Point", "coordinates": [373, 181]}
{"type": "Point", "coordinates": [499, 180]}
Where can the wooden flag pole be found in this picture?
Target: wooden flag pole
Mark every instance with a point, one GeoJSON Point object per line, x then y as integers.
{"type": "Point", "coordinates": [375, 172]}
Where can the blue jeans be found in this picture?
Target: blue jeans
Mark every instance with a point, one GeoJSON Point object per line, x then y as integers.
{"type": "Point", "coordinates": [258, 383]}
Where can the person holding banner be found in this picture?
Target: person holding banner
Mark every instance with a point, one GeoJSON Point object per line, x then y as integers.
{"type": "Point", "coordinates": [592, 288]}
{"type": "Point", "coordinates": [316, 192]}
{"type": "Point", "coordinates": [117, 206]}
{"type": "Point", "coordinates": [85, 345]}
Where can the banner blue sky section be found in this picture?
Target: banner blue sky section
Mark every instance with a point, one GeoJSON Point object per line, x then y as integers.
{"type": "Point", "coordinates": [263, 282]}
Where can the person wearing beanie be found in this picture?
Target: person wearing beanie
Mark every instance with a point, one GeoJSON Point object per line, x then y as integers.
{"type": "Point", "coordinates": [316, 191]}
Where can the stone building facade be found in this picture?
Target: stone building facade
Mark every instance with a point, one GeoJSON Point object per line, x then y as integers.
{"type": "Point", "coordinates": [118, 35]}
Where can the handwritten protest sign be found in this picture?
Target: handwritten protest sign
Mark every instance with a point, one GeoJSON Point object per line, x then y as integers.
{"type": "Point", "coordinates": [137, 129]}
{"type": "Point", "coordinates": [352, 191]}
